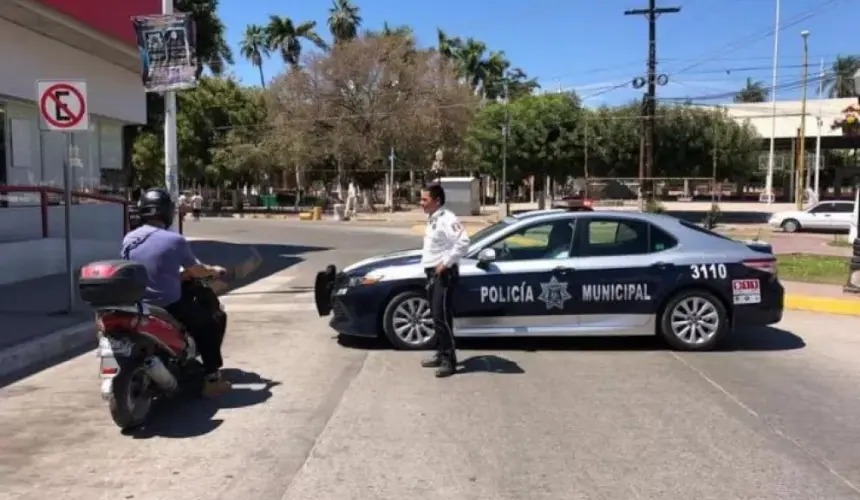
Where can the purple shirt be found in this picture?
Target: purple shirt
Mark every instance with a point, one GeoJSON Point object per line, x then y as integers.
{"type": "Point", "coordinates": [163, 252]}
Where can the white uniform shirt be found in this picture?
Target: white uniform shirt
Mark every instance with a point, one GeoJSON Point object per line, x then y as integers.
{"type": "Point", "coordinates": [445, 240]}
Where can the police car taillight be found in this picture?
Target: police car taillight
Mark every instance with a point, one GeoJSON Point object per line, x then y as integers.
{"type": "Point", "coordinates": [766, 265]}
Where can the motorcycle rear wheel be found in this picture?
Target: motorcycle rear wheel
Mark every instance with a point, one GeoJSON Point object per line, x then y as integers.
{"type": "Point", "coordinates": [131, 399]}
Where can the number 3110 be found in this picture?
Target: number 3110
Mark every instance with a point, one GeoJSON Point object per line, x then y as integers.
{"type": "Point", "coordinates": [709, 271]}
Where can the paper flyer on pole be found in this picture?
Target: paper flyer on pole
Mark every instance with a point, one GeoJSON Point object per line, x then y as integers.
{"type": "Point", "coordinates": [168, 51]}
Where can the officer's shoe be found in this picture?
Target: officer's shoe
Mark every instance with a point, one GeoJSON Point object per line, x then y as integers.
{"type": "Point", "coordinates": [434, 361]}
{"type": "Point", "coordinates": [447, 367]}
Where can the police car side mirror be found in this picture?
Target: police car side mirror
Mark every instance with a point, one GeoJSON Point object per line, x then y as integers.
{"type": "Point", "coordinates": [486, 256]}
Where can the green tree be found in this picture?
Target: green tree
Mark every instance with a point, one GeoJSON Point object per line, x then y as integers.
{"type": "Point", "coordinates": [343, 21]}
{"type": "Point", "coordinates": [283, 35]}
{"type": "Point", "coordinates": [210, 116]}
{"type": "Point", "coordinates": [253, 48]}
{"type": "Point", "coordinates": [543, 140]}
{"type": "Point", "coordinates": [753, 91]}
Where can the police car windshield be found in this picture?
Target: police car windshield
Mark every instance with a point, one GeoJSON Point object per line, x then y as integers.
{"type": "Point", "coordinates": [490, 230]}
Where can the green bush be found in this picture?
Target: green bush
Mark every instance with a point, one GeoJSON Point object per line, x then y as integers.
{"type": "Point", "coordinates": [653, 206]}
{"type": "Point", "coordinates": [712, 217]}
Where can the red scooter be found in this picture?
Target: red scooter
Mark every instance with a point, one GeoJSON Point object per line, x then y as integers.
{"type": "Point", "coordinates": [145, 354]}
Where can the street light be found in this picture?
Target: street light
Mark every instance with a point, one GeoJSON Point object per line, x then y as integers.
{"type": "Point", "coordinates": [853, 283]}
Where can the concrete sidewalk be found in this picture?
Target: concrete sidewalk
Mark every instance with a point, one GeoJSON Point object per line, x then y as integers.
{"type": "Point", "coordinates": [36, 326]}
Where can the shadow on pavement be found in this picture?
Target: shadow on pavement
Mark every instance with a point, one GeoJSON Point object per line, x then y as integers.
{"type": "Point", "coordinates": [190, 418]}
{"type": "Point", "coordinates": [766, 338]}
{"type": "Point", "coordinates": [489, 363]}
{"type": "Point", "coordinates": [757, 339]}
{"type": "Point", "coordinates": [275, 258]}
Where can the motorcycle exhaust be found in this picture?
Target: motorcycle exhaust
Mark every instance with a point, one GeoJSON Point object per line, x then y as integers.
{"type": "Point", "coordinates": [160, 374]}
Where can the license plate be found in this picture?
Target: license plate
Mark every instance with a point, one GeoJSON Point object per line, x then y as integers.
{"type": "Point", "coordinates": [116, 347]}
{"type": "Point", "coordinates": [746, 291]}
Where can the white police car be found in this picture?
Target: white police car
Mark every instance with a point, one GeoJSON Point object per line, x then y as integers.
{"type": "Point", "coordinates": [560, 273]}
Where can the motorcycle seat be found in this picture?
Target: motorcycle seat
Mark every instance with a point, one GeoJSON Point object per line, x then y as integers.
{"type": "Point", "coordinates": [161, 313]}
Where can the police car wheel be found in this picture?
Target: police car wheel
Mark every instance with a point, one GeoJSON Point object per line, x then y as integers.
{"type": "Point", "coordinates": [408, 322]}
{"type": "Point", "coordinates": [694, 320]}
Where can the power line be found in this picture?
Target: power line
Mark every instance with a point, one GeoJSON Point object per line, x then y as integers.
{"type": "Point", "coordinates": [755, 37]}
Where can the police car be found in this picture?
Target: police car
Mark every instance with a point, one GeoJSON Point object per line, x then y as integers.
{"type": "Point", "coordinates": [560, 273]}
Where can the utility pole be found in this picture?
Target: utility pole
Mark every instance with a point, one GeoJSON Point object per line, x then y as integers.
{"type": "Point", "coordinates": [799, 187]}
{"type": "Point", "coordinates": [505, 130]}
{"type": "Point", "coordinates": [652, 12]}
{"type": "Point", "coordinates": [818, 135]}
{"type": "Point", "coordinates": [171, 148]}
{"type": "Point", "coordinates": [391, 181]}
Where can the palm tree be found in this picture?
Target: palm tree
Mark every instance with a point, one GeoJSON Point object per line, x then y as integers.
{"type": "Point", "coordinates": [752, 92]}
{"type": "Point", "coordinates": [285, 36]}
{"type": "Point", "coordinates": [253, 48]}
{"type": "Point", "coordinates": [839, 81]}
{"type": "Point", "coordinates": [471, 63]}
{"type": "Point", "coordinates": [445, 45]}
{"type": "Point", "coordinates": [343, 21]}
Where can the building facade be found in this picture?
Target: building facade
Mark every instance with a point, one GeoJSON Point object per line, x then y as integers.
{"type": "Point", "coordinates": [90, 40]}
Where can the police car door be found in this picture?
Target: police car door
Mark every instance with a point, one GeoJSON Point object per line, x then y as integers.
{"type": "Point", "coordinates": [525, 291]}
{"type": "Point", "coordinates": [621, 274]}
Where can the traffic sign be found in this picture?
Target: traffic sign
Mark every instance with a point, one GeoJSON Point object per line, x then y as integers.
{"type": "Point", "coordinates": [63, 105]}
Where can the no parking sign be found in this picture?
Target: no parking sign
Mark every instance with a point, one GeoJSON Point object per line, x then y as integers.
{"type": "Point", "coordinates": [63, 105]}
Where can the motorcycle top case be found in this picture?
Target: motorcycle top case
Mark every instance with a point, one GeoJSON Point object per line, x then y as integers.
{"type": "Point", "coordinates": [112, 283]}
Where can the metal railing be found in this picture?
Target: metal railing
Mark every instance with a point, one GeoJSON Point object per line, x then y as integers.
{"type": "Point", "coordinates": [46, 196]}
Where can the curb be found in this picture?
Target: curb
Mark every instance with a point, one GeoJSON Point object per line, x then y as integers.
{"type": "Point", "coordinates": [24, 357]}
{"type": "Point", "coordinates": [29, 356]}
{"type": "Point", "coordinates": [825, 305]}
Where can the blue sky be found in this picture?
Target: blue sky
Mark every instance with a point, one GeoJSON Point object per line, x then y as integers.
{"type": "Point", "coordinates": [709, 48]}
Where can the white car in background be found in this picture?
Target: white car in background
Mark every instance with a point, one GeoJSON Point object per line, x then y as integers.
{"type": "Point", "coordinates": [823, 216]}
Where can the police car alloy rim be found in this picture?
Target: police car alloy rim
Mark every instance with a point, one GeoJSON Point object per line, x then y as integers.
{"type": "Point", "coordinates": [413, 321]}
{"type": "Point", "coordinates": [695, 320]}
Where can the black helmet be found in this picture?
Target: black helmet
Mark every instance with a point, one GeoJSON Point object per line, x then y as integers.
{"type": "Point", "coordinates": [156, 204]}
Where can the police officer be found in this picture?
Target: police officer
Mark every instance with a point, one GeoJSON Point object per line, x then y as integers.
{"type": "Point", "coordinates": [445, 243]}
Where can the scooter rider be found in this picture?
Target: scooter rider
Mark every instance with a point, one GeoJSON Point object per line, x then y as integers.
{"type": "Point", "coordinates": [163, 252]}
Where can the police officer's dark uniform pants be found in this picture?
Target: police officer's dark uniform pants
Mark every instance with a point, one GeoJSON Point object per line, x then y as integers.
{"type": "Point", "coordinates": [207, 331]}
{"type": "Point", "coordinates": [440, 293]}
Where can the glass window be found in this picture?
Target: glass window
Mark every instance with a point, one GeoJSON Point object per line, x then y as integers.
{"type": "Point", "coordinates": [843, 208]}
{"type": "Point", "coordinates": [2, 144]}
{"type": "Point", "coordinates": [110, 145]}
{"type": "Point", "coordinates": [489, 230]}
{"type": "Point", "coordinates": [822, 208]}
{"type": "Point", "coordinates": [613, 237]}
{"type": "Point", "coordinates": [548, 240]}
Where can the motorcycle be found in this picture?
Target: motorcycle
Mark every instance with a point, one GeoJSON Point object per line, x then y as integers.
{"type": "Point", "coordinates": [145, 354]}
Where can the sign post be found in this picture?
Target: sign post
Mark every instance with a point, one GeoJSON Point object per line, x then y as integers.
{"type": "Point", "coordinates": [63, 108]}
{"type": "Point", "coordinates": [168, 55]}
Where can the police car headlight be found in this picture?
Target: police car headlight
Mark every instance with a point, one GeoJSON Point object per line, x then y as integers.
{"type": "Point", "coordinates": [367, 279]}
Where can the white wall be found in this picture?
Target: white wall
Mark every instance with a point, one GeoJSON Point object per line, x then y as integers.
{"type": "Point", "coordinates": [26, 57]}
{"type": "Point", "coordinates": [37, 258]}
{"type": "Point", "coordinates": [97, 231]}
{"type": "Point", "coordinates": [96, 221]}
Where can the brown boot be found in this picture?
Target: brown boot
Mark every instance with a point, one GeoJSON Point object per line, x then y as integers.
{"type": "Point", "coordinates": [215, 386]}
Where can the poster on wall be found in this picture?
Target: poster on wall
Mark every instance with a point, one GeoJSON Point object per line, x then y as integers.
{"type": "Point", "coordinates": [168, 52]}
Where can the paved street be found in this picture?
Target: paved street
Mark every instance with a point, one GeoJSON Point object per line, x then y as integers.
{"type": "Point", "coordinates": [774, 416]}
